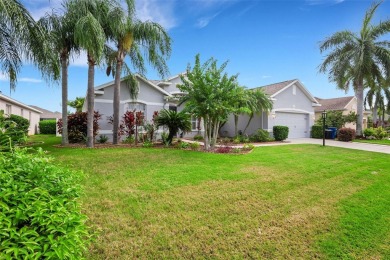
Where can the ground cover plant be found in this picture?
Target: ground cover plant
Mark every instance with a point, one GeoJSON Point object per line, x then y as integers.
{"type": "Point", "coordinates": [278, 202]}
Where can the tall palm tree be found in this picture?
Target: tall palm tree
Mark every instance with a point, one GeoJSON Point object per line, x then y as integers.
{"type": "Point", "coordinates": [21, 38]}
{"type": "Point", "coordinates": [356, 57]}
{"type": "Point", "coordinates": [257, 102]}
{"type": "Point", "coordinates": [378, 98]}
{"type": "Point", "coordinates": [60, 29]}
{"type": "Point", "coordinates": [91, 18]}
{"type": "Point", "coordinates": [139, 41]}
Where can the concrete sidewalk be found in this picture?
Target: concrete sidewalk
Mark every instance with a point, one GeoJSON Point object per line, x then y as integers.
{"type": "Point", "coordinates": [350, 145]}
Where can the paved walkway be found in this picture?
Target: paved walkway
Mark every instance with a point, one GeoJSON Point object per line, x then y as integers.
{"type": "Point", "coordinates": [350, 145]}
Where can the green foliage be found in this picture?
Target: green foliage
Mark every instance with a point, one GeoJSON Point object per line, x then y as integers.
{"type": "Point", "coordinates": [261, 135]}
{"type": "Point", "coordinates": [40, 213]}
{"type": "Point", "coordinates": [198, 138]}
{"type": "Point", "coordinates": [147, 144]}
{"type": "Point", "coordinates": [77, 104]}
{"type": "Point", "coordinates": [248, 147]}
{"type": "Point", "coordinates": [77, 126]}
{"type": "Point", "coordinates": [280, 132]}
{"type": "Point", "coordinates": [129, 140]}
{"type": "Point", "coordinates": [175, 121]}
{"type": "Point", "coordinates": [317, 131]}
{"type": "Point", "coordinates": [102, 139]}
{"type": "Point", "coordinates": [346, 134]}
{"type": "Point", "coordinates": [211, 95]}
{"type": "Point", "coordinates": [22, 124]}
{"type": "Point", "coordinates": [195, 146]}
{"type": "Point", "coordinates": [337, 119]}
{"type": "Point", "coordinates": [10, 133]}
{"type": "Point", "coordinates": [376, 133]}
{"type": "Point", "coordinates": [182, 145]}
{"type": "Point", "coordinates": [236, 150]}
{"type": "Point", "coordinates": [368, 132]}
{"type": "Point", "coordinates": [47, 127]}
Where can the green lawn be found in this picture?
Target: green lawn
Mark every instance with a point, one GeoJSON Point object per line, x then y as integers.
{"type": "Point", "coordinates": [291, 201]}
{"type": "Point", "coordinates": [384, 142]}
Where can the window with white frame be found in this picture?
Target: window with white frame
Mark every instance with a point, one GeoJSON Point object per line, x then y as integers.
{"type": "Point", "coordinates": [137, 107]}
{"type": "Point", "coordinates": [8, 109]}
{"type": "Point", "coordinates": [194, 123]}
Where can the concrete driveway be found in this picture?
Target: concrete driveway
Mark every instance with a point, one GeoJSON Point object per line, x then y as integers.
{"type": "Point", "coordinates": [350, 145]}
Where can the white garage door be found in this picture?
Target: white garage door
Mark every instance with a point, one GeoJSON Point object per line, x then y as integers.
{"type": "Point", "coordinates": [298, 125]}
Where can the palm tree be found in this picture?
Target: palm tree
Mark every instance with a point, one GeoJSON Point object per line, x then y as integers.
{"type": "Point", "coordinates": [258, 102]}
{"type": "Point", "coordinates": [175, 121]}
{"type": "Point", "coordinates": [60, 29]}
{"type": "Point", "coordinates": [140, 41]}
{"type": "Point", "coordinates": [77, 104]}
{"type": "Point", "coordinates": [22, 38]}
{"type": "Point", "coordinates": [358, 57]}
{"type": "Point", "coordinates": [378, 98]}
{"type": "Point", "coordinates": [91, 18]}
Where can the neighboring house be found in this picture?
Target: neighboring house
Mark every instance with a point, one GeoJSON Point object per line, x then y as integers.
{"type": "Point", "coordinates": [344, 104]}
{"type": "Point", "coordinates": [12, 106]}
{"type": "Point", "coordinates": [153, 96]}
{"type": "Point", "coordinates": [293, 106]}
{"type": "Point", "coordinates": [48, 115]}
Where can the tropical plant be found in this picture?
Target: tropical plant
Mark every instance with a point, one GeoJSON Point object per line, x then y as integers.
{"type": "Point", "coordinates": [337, 119]}
{"type": "Point", "coordinates": [174, 121]}
{"type": "Point", "coordinates": [77, 104]}
{"type": "Point", "coordinates": [210, 95]}
{"type": "Point", "coordinates": [91, 19]}
{"type": "Point", "coordinates": [60, 29]}
{"type": "Point", "coordinates": [140, 41]}
{"type": "Point", "coordinates": [258, 102]}
{"type": "Point", "coordinates": [358, 57]}
{"type": "Point", "coordinates": [378, 98]}
{"type": "Point", "coordinates": [21, 38]}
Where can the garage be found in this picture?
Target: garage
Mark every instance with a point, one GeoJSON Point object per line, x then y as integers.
{"type": "Point", "coordinates": [298, 124]}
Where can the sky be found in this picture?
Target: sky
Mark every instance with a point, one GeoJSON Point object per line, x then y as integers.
{"type": "Point", "coordinates": [264, 41]}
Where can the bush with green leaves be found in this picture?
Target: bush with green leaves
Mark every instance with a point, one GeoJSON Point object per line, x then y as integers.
{"type": "Point", "coordinates": [368, 132]}
{"type": "Point", "coordinates": [10, 133]}
{"type": "Point", "coordinates": [39, 209]}
{"type": "Point", "coordinates": [22, 124]}
{"type": "Point", "coordinates": [198, 138]}
{"type": "Point", "coordinates": [317, 131]}
{"type": "Point", "coordinates": [47, 127]}
{"type": "Point", "coordinates": [261, 135]}
{"type": "Point", "coordinates": [337, 119]}
{"type": "Point", "coordinates": [380, 133]}
{"type": "Point", "coordinates": [346, 134]}
{"type": "Point", "coordinates": [102, 139]}
{"type": "Point", "coordinates": [280, 132]}
{"type": "Point", "coordinates": [195, 146]}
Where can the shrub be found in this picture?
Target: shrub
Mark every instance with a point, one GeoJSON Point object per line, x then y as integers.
{"type": "Point", "coordinates": [147, 144]}
{"type": "Point", "coordinates": [102, 139]}
{"type": "Point", "coordinates": [225, 140]}
{"type": "Point", "coordinates": [248, 147]}
{"type": "Point", "coordinates": [236, 140]}
{"type": "Point", "coordinates": [236, 150]}
{"type": "Point", "coordinates": [317, 131]}
{"type": "Point", "coordinates": [380, 133]}
{"type": "Point", "coordinates": [40, 216]}
{"type": "Point", "coordinates": [10, 134]}
{"type": "Point", "coordinates": [346, 134]}
{"type": "Point", "coordinates": [261, 135]}
{"type": "Point", "coordinates": [195, 146]}
{"type": "Point", "coordinates": [280, 132]}
{"type": "Point", "coordinates": [198, 138]}
{"type": "Point", "coordinates": [77, 126]}
{"type": "Point", "coordinates": [182, 145]}
{"type": "Point", "coordinates": [22, 124]}
{"type": "Point", "coordinates": [47, 127]}
{"type": "Point", "coordinates": [129, 140]}
{"type": "Point", "coordinates": [223, 149]}
{"type": "Point", "coordinates": [369, 132]}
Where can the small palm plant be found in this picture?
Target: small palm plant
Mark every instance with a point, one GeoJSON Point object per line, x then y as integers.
{"type": "Point", "coordinates": [174, 121]}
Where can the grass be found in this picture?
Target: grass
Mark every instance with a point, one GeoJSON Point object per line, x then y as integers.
{"type": "Point", "coordinates": [383, 142]}
{"type": "Point", "coordinates": [292, 201]}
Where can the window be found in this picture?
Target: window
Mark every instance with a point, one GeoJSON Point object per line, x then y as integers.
{"type": "Point", "coordinates": [8, 109]}
{"type": "Point", "coordinates": [195, 124]}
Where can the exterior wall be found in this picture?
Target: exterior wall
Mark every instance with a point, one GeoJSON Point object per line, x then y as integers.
{"type": "Point", "coordinates": [32, 116]}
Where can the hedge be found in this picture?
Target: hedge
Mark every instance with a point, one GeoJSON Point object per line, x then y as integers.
{"type": "Point", "coordinates": [47, 127]}
{"type": "Point", "coordinates": [346, 134]}
{"type": "Point", "coordinates": [317, 131]}
{"type": "Point", "coordinates": [280, 132]}
{"type": "Point", "coordinates": [40, 214]}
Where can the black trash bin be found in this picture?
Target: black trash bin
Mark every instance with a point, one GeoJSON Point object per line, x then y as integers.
{"type": "Point", "coordinates": [328, 134]}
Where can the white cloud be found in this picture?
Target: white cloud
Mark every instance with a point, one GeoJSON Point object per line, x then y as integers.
{"type": "Point", "coordinates": [161, 12]}
{"type": "Point", "coordinates": [79, 60]}
{"type": "Point", "coordinates": [38, 8]}
{"type": "Point", "coordinates": [30, 80]}
{"type": "Point", "coordinates": [204, 21]}
{"type": "Point", "coordinates": [321, 2]}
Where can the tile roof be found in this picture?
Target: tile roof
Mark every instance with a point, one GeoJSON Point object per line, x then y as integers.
{"type": "Point", "coordinates": [274, 88]}
{"type": "Point", "coordinates": [333, 103]}
{"type": "Point", "coordinates": [48, 114]}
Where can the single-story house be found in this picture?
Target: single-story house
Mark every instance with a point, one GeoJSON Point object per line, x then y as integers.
{"type": "Point", "coordinates": [47, 114]}
{"type": "Point", "coordinates": [12, 106]}
{"type": "Point", "coordinates": [293, 106]}
{"type": "Point", "coordinates": [344, 104]}
{"type": "Point", "coordinates": [153, 95]}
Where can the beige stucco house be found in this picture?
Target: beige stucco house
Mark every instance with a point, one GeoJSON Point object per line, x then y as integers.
{"type": "Point", "coordinates": [12, 106]}
{"type": "Point", "coordinates": [345, 104]}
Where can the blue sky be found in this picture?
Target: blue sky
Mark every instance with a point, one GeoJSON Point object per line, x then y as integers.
{"type": "Point", "coordinates": [265, 42]}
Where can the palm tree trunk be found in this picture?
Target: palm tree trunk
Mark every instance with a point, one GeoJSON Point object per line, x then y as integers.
{"type": "Point", "coordinates": [90, 101]}
{"type": "Point", "coordinates": [249, 121]}
{"type": "Point", "coordinates": [375, 113]}
{"type": "Point", "coordinates": [360, 98]}
{"type": "Point", "coordinates": [117, 93]}
{"type": "Point", "coordinates": [235, 125]}
{"type": "Point", "coordinates": [64, 79]}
